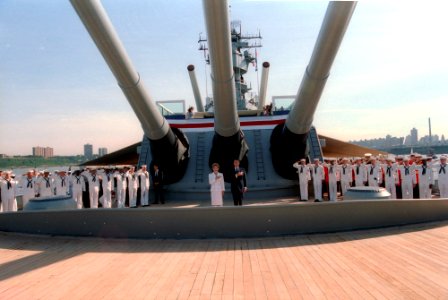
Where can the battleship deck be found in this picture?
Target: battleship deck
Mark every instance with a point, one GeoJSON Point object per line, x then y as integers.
{"type": "Point", "coordinates": [409, 262]}
{"type": "Point", "coordinates": [186, 220]}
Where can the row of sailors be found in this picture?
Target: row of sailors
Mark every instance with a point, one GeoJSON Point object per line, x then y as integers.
{"type": "Point", "coordinates": [398, 177]}
{"type": "Point", "coordinates": [33, 185]}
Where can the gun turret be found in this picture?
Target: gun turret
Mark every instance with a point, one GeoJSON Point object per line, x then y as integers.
{"type": "Point", "coordinates": [169, 148]}
{"type": "Point", "coordinates": [228, 142]}
{"type": "Point", "coordinates": [288, 141]}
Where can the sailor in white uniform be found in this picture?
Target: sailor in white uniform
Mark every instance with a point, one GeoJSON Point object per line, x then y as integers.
{"type": "Point", "coordinates": [94, 187]}
{"type": "Point", "coordinates": [332, 179]}
{"type": "Point", "coordinates": [390, 177]}
{"type": "Point", "coordinates": [360, 172]}
{"type": "Point", "coordinates": [78, 185]}
{"type": "Point", "coordinates": [45, 185]}
{"type": "Point", "coordinates": [374, 175]}
{"type": "Point", "coordinates": [106, 182]}
{"type": "Point", "coordinates": [28, 186]}
{"type": "Point", "coordinates": [1, 180]}
{"type": "Point", "coordinates": [345, 171]}
{"type": "Point", "coordinates": [120, 176]}
{"type": "Point", "coordinates": [303, 172]}
{"type": "Point", "coordinates": [407, 179]}
{"type": "Point", "coordinates": [217, 187]}
{"type": "Point", "coordinates": [318, 174]}
{"type": "Point", "coordinates": [8, 188]}
{"type": "Point", "coordinates": [425, 177]}
{"type": "Point", "coordinates": [61, 182]}
{"type": "Point", "coordinates": [133, 187]}
{"type": "Point", "coordinates": [442, 171]}
{"type": "Point", "coordinates": [143, 176]}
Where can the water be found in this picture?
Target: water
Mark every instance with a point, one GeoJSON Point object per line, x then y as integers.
{"type": "Point", "coordinates": [22, 171]}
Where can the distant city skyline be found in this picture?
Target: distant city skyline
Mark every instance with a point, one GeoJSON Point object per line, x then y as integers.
{"type": "Point", "coordinates": [409, 140]}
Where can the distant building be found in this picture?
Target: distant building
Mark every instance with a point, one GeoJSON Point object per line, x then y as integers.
{"type": "Point", "coordinates": [3, 156]}
{"type": "Point", "coordinates": [102, 151]}
{"type": "Point", "coordinates": [43, 151]}
{"type": "Point", "coordinates": [88, 151]}
{"type": "Point", "coordinates": [414, 137]}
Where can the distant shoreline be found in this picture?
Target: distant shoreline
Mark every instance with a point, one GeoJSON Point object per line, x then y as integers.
{"type": "Point", "coordinates": [20, 162]}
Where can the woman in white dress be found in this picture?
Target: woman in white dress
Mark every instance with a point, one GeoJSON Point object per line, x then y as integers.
{"type": "Point", "coordinates": [217, 189]}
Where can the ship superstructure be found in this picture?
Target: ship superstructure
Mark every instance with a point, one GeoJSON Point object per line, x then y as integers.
{"type": "Point", "coordinates": [267, 146]}
{"type": "Point", "coordinates": [242, 60]}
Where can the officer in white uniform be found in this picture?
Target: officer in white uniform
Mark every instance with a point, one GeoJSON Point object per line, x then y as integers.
{"type": "Point", "coordinates": [303, 172]}
{"type": "Point", "coordinates": [360, 172]}
{"type": "Point", "coordinates": [442, 171]}
{"type": "Point", "coordinates": [318, 174]}
{"type": "Point", "coordinates": [143, 176]}
{"type": "Point", "coordinates": [345, 171]}
{"type": "Point", "coordinates": [425, 177]}
{"type": "Point", "coordinates": [29, 187]}
{"type": "Point", "coordinates": [390, 177]}
{"type": "Point", "coordinates": [8, 188]}
{"type": "Point", "coordinates": [407, 179]}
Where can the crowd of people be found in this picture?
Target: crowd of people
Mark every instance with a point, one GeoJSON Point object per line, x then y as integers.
{"type": "Point", "coordinates": [90, 187]}
{"type": "Point", "coordinates": [404, 177]}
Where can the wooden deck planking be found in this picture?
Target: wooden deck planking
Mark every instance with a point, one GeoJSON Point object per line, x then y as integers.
{"type": "Point", "coordinates": [402, 262]}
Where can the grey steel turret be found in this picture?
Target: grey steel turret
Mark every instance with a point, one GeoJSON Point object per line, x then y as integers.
{"type": "Point", "coordinates": [288, 142]}
{"type": "Point", "coordinates": [169, 149]}
{"type": "Point", "coordinates": [228, 142]}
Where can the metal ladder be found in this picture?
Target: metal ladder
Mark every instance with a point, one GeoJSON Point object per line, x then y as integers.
{"type": "Point", "coordinates": [200, 156]}
{"type": "Point", "coordinates": [259, 160]}
{"type": "Point", "coordinates": [314, 145]}
{"type": "Point", "coordinates": [144, 150]}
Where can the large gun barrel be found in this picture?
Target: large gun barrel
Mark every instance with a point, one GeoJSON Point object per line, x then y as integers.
{"type": "Point", "coordinates": [167, 150]}
{"type": "Point", "coordinates": [264, 85]}
{"type": "Point", "coordinates": [195, 87]}
{"type": "Point", "coordinates": [228, 142]}
{"type": "Point", "coordinates": [288, 142]}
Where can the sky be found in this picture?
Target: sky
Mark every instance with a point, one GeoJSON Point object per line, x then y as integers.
{"type": "Point", "coordinates": [390, 74]}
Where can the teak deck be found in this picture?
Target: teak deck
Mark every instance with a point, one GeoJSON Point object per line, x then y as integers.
{"type": "Point", "coordinates": [408, 262]}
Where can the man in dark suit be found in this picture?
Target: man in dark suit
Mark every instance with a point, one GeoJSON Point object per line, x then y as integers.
{"type": "Point", "coordinates": [157, 180]}
{"type": "Point", "coordinates": [238, 183]}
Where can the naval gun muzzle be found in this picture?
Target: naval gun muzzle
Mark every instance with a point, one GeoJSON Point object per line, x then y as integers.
{"type": "Point", "coordinates": [263, 85]}
{"type": "Point", "coordinates": [195, 87]}
{"type": "Point", "coordinates": [228, 141]}
{"type": "Point", "coordinates": [289, 141]}
{"type": "Point", "coordinates": [169, 148]}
